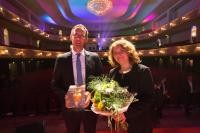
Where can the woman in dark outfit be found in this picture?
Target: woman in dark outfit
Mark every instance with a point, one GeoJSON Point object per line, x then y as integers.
{"type": "Point", "coordinates": [128, 72]}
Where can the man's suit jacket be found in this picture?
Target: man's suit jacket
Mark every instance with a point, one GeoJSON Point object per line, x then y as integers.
{"type": "Point", "coordinates": [63, 75]}
{"type": "Point", "coordinates": [187, 88]}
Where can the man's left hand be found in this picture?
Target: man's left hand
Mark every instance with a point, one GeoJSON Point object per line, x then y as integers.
{"type": "Point", "coordinates": [87, 99]}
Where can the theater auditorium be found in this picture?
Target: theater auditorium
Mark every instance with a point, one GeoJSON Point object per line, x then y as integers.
{"type": "Point", "coordinates": [35, 34]}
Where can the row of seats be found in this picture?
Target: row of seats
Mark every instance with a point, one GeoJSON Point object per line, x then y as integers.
{"type": "Point", "coordinates": [32, 93]}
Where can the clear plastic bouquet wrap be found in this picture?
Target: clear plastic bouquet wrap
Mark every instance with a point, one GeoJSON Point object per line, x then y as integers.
{"type": "Point", "coordinates": [108, 97]}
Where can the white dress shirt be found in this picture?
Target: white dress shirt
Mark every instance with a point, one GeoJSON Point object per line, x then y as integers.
{"type": "Point", "coordinates": [191, 86]}
{"type": "Point", "coordinates": [82, 59]}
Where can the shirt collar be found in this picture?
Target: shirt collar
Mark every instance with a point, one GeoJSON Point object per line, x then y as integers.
{"type": "Point", "coordinates": [74, 52]}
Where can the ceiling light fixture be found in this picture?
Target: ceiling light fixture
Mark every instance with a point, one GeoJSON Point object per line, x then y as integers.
{"type": "Point", "coordinates": [99, 7]}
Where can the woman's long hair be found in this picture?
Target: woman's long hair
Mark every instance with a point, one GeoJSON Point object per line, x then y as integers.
{"type": "Point", "coordinates": [127, 46]}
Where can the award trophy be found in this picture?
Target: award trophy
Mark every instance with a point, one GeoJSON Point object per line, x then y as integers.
{"type": "Point", "coordinates": [75, 97]}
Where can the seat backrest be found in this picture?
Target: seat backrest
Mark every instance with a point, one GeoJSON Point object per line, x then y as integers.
{"type": "Point", "coordinates": [35, 127]}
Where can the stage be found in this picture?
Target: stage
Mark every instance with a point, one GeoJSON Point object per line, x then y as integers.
{"type": "Point", "coordinates": [173, 121]}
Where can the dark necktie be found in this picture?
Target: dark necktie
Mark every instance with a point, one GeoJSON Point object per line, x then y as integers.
{"type": "Point", "coordinates": [78, 70]}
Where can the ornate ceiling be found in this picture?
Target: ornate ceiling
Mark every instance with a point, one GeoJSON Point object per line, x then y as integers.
{"type": "Point", "coordinates": [123, 15]}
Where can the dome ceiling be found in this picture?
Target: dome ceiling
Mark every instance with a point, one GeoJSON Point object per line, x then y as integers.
{"type": "Point", "coordinates": [123, 15]}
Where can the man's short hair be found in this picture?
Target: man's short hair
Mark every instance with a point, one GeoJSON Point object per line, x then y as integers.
{"type": "Point", "coordinates": [80, 26]}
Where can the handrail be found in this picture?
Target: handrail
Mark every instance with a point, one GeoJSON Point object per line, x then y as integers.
{"type": "Point", "coordinates": [189, 49]}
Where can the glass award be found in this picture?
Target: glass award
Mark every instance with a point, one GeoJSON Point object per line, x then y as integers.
{"type": "Point", "coordinates": [75, 97]}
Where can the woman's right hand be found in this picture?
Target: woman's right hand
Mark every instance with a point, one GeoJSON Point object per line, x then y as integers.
{"type": "Point", "coordinates": [119, 117]}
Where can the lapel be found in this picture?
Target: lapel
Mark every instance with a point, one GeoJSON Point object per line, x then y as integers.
{"type": "Point", "coordinates": [113, 74]}
{"type": "Point", "coordinates": [87, 63]}
{"type": "Point", "coordinates": [69, 65]}
{"type": "Point", "coordinates": [134, 79]}
{"type": "Point", "coordinates": [134, 72]}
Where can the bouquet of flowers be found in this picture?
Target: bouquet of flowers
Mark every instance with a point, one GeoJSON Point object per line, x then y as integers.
{"type": "Point", "coordinates": [108, 97]}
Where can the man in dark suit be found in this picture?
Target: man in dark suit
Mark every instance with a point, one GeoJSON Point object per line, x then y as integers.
{"type": "Point", "coordinates": [66, 74]}
{"type": "Point", "coordinates": [189, 93]}
{"type": "Point", "coordinates": [161, 94]}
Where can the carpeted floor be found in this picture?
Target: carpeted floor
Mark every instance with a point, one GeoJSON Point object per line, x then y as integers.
{"type": "Point", "coordinates": [173, 121]}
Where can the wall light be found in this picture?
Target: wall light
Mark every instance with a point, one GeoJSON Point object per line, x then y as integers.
{"type": "Point", "coordinates": [193, 34]}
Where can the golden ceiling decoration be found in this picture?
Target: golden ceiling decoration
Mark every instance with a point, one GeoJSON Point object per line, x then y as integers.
{"type": "Point", "coordinates": [99, 7]}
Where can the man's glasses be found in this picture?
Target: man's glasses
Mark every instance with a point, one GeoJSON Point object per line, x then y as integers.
{"type": "Point", "coordinates": [79, 36]}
